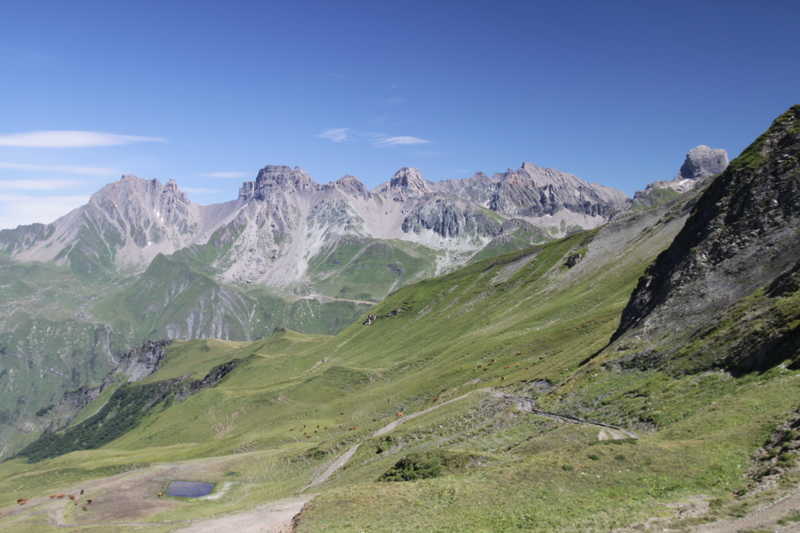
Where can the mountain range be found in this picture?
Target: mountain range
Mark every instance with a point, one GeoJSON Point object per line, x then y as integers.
{"type": "Point", "coordinates": [283, 222]}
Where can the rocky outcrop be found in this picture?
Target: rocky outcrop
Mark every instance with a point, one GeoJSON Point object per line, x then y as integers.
{"type": "Point", "coordinates": [407, 182]}
{"type": "Point", "coordinates": [276, 178]}
{"type": "Point", "coordinates": [534, 191]}
{"type": "Point", "coordinates": [703, 161]}
{"type": "Point", "coordinates": [741, 235]}
{"type": "Point", "coordinates": [448, 219]}
{"type": "Point", "coordinates": [780, 451]}
{"type": "Point", "coordinates": [142, 361]}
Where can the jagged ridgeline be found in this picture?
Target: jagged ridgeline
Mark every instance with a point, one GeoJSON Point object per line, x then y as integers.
{"type": "Point", "coordinates": [284, 226]}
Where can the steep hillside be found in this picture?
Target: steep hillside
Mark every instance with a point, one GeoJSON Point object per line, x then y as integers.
{"type": "Point", "coordinates": [742, 235]}
{"type": "Point", "coordinates": [60, 332]}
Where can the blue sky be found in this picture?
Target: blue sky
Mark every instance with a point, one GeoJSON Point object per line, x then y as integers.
{"type": "Point", "coordinates": [208, 92]}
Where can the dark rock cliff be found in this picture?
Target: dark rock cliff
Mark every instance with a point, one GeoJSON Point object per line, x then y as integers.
{"type": "Point", "coordinates": [741, 235]}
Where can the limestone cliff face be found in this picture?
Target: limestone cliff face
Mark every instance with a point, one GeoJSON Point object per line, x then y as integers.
{"type": "Point", "coordinates": [124, 226]}
{"type": "Point", "coordinates": [741, 235]}
{"type": "Point", "coordinates": [535, 191]}
{"type": "Point", "coordinates": [449, 219]}
{"type": "Point", "coordinates": [283, 218]}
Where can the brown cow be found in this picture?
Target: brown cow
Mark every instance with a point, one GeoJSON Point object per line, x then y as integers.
{"type": "Point", "coordinates": [88, 502]}
{"type": "Point", "coordinates": [71, 497]}
{"type": "Point", "coordinates": [22, 501]}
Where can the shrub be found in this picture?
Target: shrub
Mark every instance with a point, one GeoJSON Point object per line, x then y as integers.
{"type": "Point", "coordinates": [413, 467]}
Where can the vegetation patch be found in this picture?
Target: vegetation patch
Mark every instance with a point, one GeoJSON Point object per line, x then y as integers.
{"type": "Point", "coordinates": [427, 465]}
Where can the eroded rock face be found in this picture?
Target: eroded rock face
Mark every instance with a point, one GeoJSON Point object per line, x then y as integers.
{"type": "Point", "coordinates": [142, 361]}
{"type": "Point", "coordinates": [702, 162]}
{"type": "Point", "coordinates": [410, 180]}
{"type": "Point", "coordinates": [536, 191]}
{"type": "Point", "coordinates": [448, 219]}
{"type": "Point", "coordinates": [124, 226]}
{"type": "Point", "coordinates": [270, 234]}
{"type": "Point", "coordinates": [742, 234]}
{"type": "Point", "coordinates": [276, 177]}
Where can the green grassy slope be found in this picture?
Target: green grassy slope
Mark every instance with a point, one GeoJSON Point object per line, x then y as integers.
{"type": "Point", "coordinates": [368, 269]}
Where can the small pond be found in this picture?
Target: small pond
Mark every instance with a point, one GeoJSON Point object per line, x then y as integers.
{"type": "Point", "coordinates": [189, 489]}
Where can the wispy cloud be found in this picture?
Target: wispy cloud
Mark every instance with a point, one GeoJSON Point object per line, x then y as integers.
{"type": "Point", "coordinates": [17, 209]}
{"type": "Point", "coordinates": [337, 135]}
{"type": "Point", "coordinates": [61, 169]}
{"type": "Point", "coordinates": [71, 139]}
{"type": "Point", "coordinates": [227, 174]}
{"type": "Point", "coordinates": [38, 185]}
{"type": "Point", "coordinates": [402, 140]}
{"type": "Point", "coordinates": [340, 135]}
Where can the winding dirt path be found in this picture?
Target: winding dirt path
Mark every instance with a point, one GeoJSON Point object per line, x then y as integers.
{"type": "Point", "coordinates": [343, 459]}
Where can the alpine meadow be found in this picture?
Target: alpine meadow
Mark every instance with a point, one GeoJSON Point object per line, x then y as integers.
{"type": "Point", "coordinates": [517, 350]}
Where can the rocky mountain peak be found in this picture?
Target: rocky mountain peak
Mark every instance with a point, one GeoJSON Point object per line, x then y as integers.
{"type": "Point", "coordinates": [703, 161]}
{"type": "Point", "coordinates": [276, 178]}
{"type": "Point", "coordinates": [351, 184]}
{"type": "Point", "coordinates": [132, 189]}
{"type": "Point", "coordinates": [531, 168]}
{"type": "Point", "coordinates": [409, 179]}
{"type": "Point", "coordinates": [172, 187]}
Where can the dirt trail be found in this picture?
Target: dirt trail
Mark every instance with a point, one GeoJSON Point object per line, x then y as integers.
{"type": "Point", "coordinates": [343, 459]}
{"type": "Point", "coordinates": [326, 299]}
{"type": "Point", "coordinates": [607, 431]}
{"type": "Point", "coordinates": [274, 517]}
{"type": "Point", "coordinates": [337, 463]}
{"type": "Point", "coordinates": [393, 425]}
